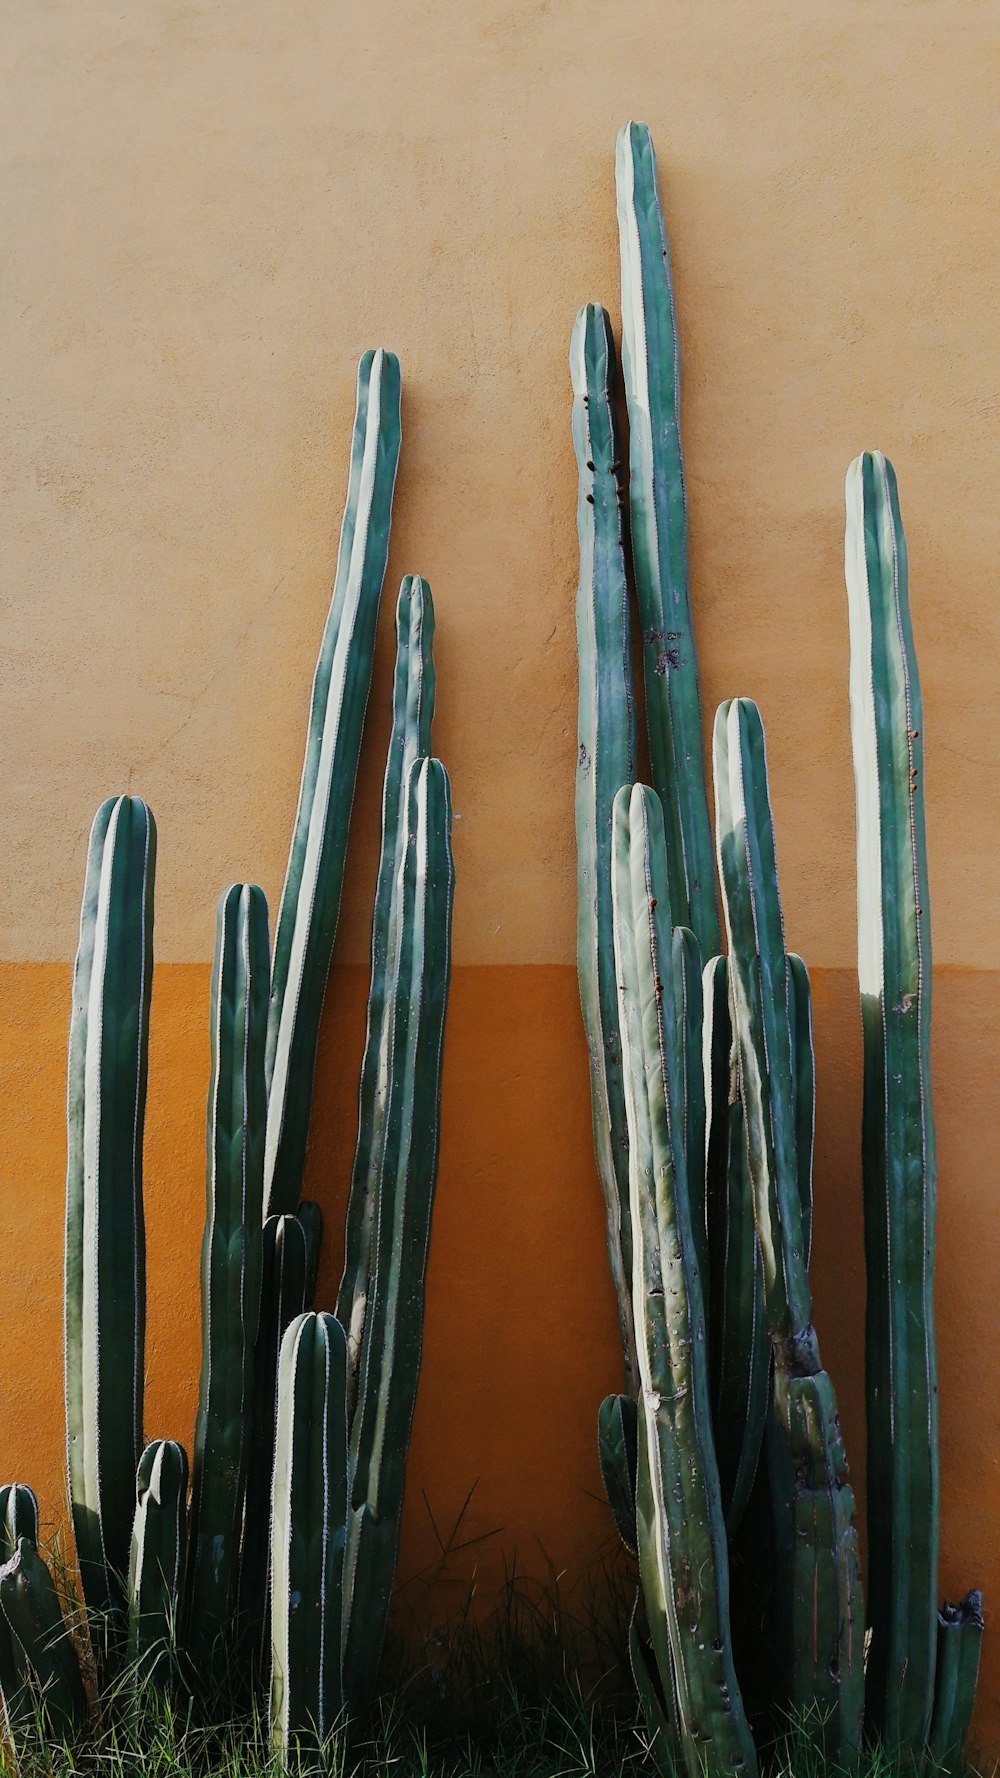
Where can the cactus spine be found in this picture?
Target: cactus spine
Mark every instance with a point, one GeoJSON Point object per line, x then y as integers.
{"type": "Point", "coordinates": [826, 1652]}
{"type": "Point", "coordinates": [388, 1364]}
{"type": "Point", "coordinates": [231, 1258]}
{"type": "Point", "coordinates": [682, 1539]}
{"type": "Point", "coordinates": [658, 511]}
{"type": "Point", "coordinates": [310, 901]}
{"type": "Point", "coordinates": [105, 1238]}
{"type": "Point", "coordinates": [156, 1566]}
{"type": "Point", "coordinates": [307, 1539]}
{"type": "Point", "coordinates": [410, 740]}
{"type": "Point", "coordinates": [605, 761]}
{"type": "Point", "coordinates": [898, 1157]}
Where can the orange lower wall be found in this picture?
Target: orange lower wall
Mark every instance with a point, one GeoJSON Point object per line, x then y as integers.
{"type": "Point", "coordinates": [520, 1339]}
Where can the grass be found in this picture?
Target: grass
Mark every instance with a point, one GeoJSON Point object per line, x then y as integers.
{"type": "Point", "coordinates": [541, 1689]}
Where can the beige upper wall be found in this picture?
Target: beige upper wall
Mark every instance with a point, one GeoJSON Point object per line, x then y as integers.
{"type": "Point", "coordinates": [211, 208]}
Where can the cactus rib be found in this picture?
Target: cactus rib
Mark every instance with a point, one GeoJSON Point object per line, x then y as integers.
{"type": "Point", "coordinates": [605, 761]}
{"type": "Point", "coordinates": [105, 1239]}
{"type": "Point", "coordinates": [658, 511]}
{"type": "Point", "coordinates": [898, 1150]}
{"type": "Point", "coordinates": [682, 1541]}
{"type": "Point", "coordinates": [231, 1259]}
{"type": "Point", "coordinates": [310, 901]}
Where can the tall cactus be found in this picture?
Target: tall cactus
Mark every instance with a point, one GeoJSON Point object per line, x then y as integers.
{"type": "Point", "coordinates": [658, 512]}
{"type": "Point", "coordinates": [307, 1540]}
{"type": "Point", "coordinates": [409, 740]}
{"type": "Point", "coordinates": [826, 1629]}
{"type": "Point", "coordinates": [285, 1294]}
{"type": "Point", "coordinates": [310, 901]}
{"type": "Point", "coordinates": [156, 1565]}
{"type": "Point", "coordinates": [231, 1259]}
{"type": "Point", "coordinates": [105, 1236]}
{"type": "Point", "coordinates": [682, 1539]}
{"type": "Point", "coordinates": [18, 1518]}
{"type": "Point", "coordinates": [898, 1156]}
{"type": "Point", "coordinates": [388, 1364]}
{"type": "Point", "coordinates": [605, 761]}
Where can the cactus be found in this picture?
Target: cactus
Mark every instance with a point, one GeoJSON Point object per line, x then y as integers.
{"type": "Point", "coordinates": [409, 740]}
{"type": "Point", "coordinates": [285, 1269]}
{"type": "Point", "coordinates": [311, 1217]}
{"type": "Point", "coordinates": [310, 901]}
{"type": "Point", "coordinates": [682, 1540]}
{"type": "Point", "coordinates": [30, 1605]}
{"type": "Point", "coordinates": [18, 1518]}
{"type": "Point", "coordinates": [388, 1363]}
{"type": "Point", "coordinates": [105, 1238]}
{"type": "Point", "coordinates": [960, 1635]}
{"type": "Point", "coordinates": [898, 1159]}
{"type": "Point", "coordinates": [658, 513]}
{"type": "Point", "coordinates": [738, 1346]}
{"type": "Point", "coordinates": [826, 1652]}
{"type": "Point", "coordinates": [605, 761]}
{"type": "Point", "coordinates": [230, 1260]}
{"type": "Point", "coordinates": [617, 1446]}
{"type": "Point", "coordinates": [307, 1539]}
{"type": "Point", "coordinates": [156, 1566]}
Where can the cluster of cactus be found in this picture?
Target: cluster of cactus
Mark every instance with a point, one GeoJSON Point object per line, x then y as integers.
{"type": "Point", "coordinates": [285, 1545]}
{"type": "Point", "coordinates": [703, 1084]}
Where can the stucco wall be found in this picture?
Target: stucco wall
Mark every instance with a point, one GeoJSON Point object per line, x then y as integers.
{"type": "Point", "coordinates": [209, 211]}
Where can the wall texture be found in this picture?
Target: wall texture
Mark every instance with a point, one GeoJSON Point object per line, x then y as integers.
{"type": "Point", "coordinates": [209, 210]}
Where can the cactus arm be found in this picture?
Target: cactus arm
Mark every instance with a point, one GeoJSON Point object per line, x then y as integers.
{"type": "Point", "coordinates": [230, 1260]}
{"type": "Point", "coordinates": [617, 1436]}
{"type": "Point", "coordinates": [285, 1265]}
{"type": "Point", "coordinates": [738, 1345]}
{"type": "Point", "coordinates": [825, 1608]}
{"type": "Point", "coordinates": [960, 1636]}
{"type": "Point", "coordinates": [605, 761]}
{"type": "Point", "coordinates": [658, 511]}
{"type": "Point", "coordinates": [389, 1362]}
{"type": "Point", "coordinates": [898, 1151]}
{"type": "Point", "coordinates": [682, 1542]}
{"type": "Point", "coordinates": [310, 901]}
{"type": "Point", "coordinates": [156, 1565]}
{"type": "Point", "coordinates": [410, 739]}
{"type": "Point", "coordinates": [30, 1604]}
{"type": "Point", "coordinates": [105, 1239]}
{"type": "Point", "coordinates": [307, 1539]}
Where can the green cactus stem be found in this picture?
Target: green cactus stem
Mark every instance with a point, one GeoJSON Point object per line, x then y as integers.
{"type": "Point", "coordinates": [658, 513]}
{"type": "Point", "coordinates": [898, 1155]}
{"type": "Point", "coordinates": [285, 1275]}
{"type": "Point", "coordinates": [311, 1217]}
{"type": "Point", "coordinates": [617, 1443]}
{"type": "Point", "coordinates": [307, 1541]}
{"type": "Point", "coordinates": [105, 1237]}
{"type": "Point", "coordinates": [688, 1026]}
{"type": "Point", "coordinates": [156, 1566]}
{"type": "Point", "coordinates": [230, 1261]}
{"type": "Point", "coordinates": [826, 1665]}
{"type": "Point", "coordinates": [683, 1559]}
{"type": "Point", "coordinates": [738, 1345]}
{"type": "Point", "coordinates": [310, 901]}
{"type": "Point", "coordinates": [30, 1605]}
{"type": "Point", "coordinates": [389, 1361]}
{"type": "Point", "coordinates": [18, 1518]}
{"type": "Point", "coordinates": [960, 1636]}
{"type": "Point", "coordinates": [409, 740]}
{"type": "Point", "coordinates": [605, 761]}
